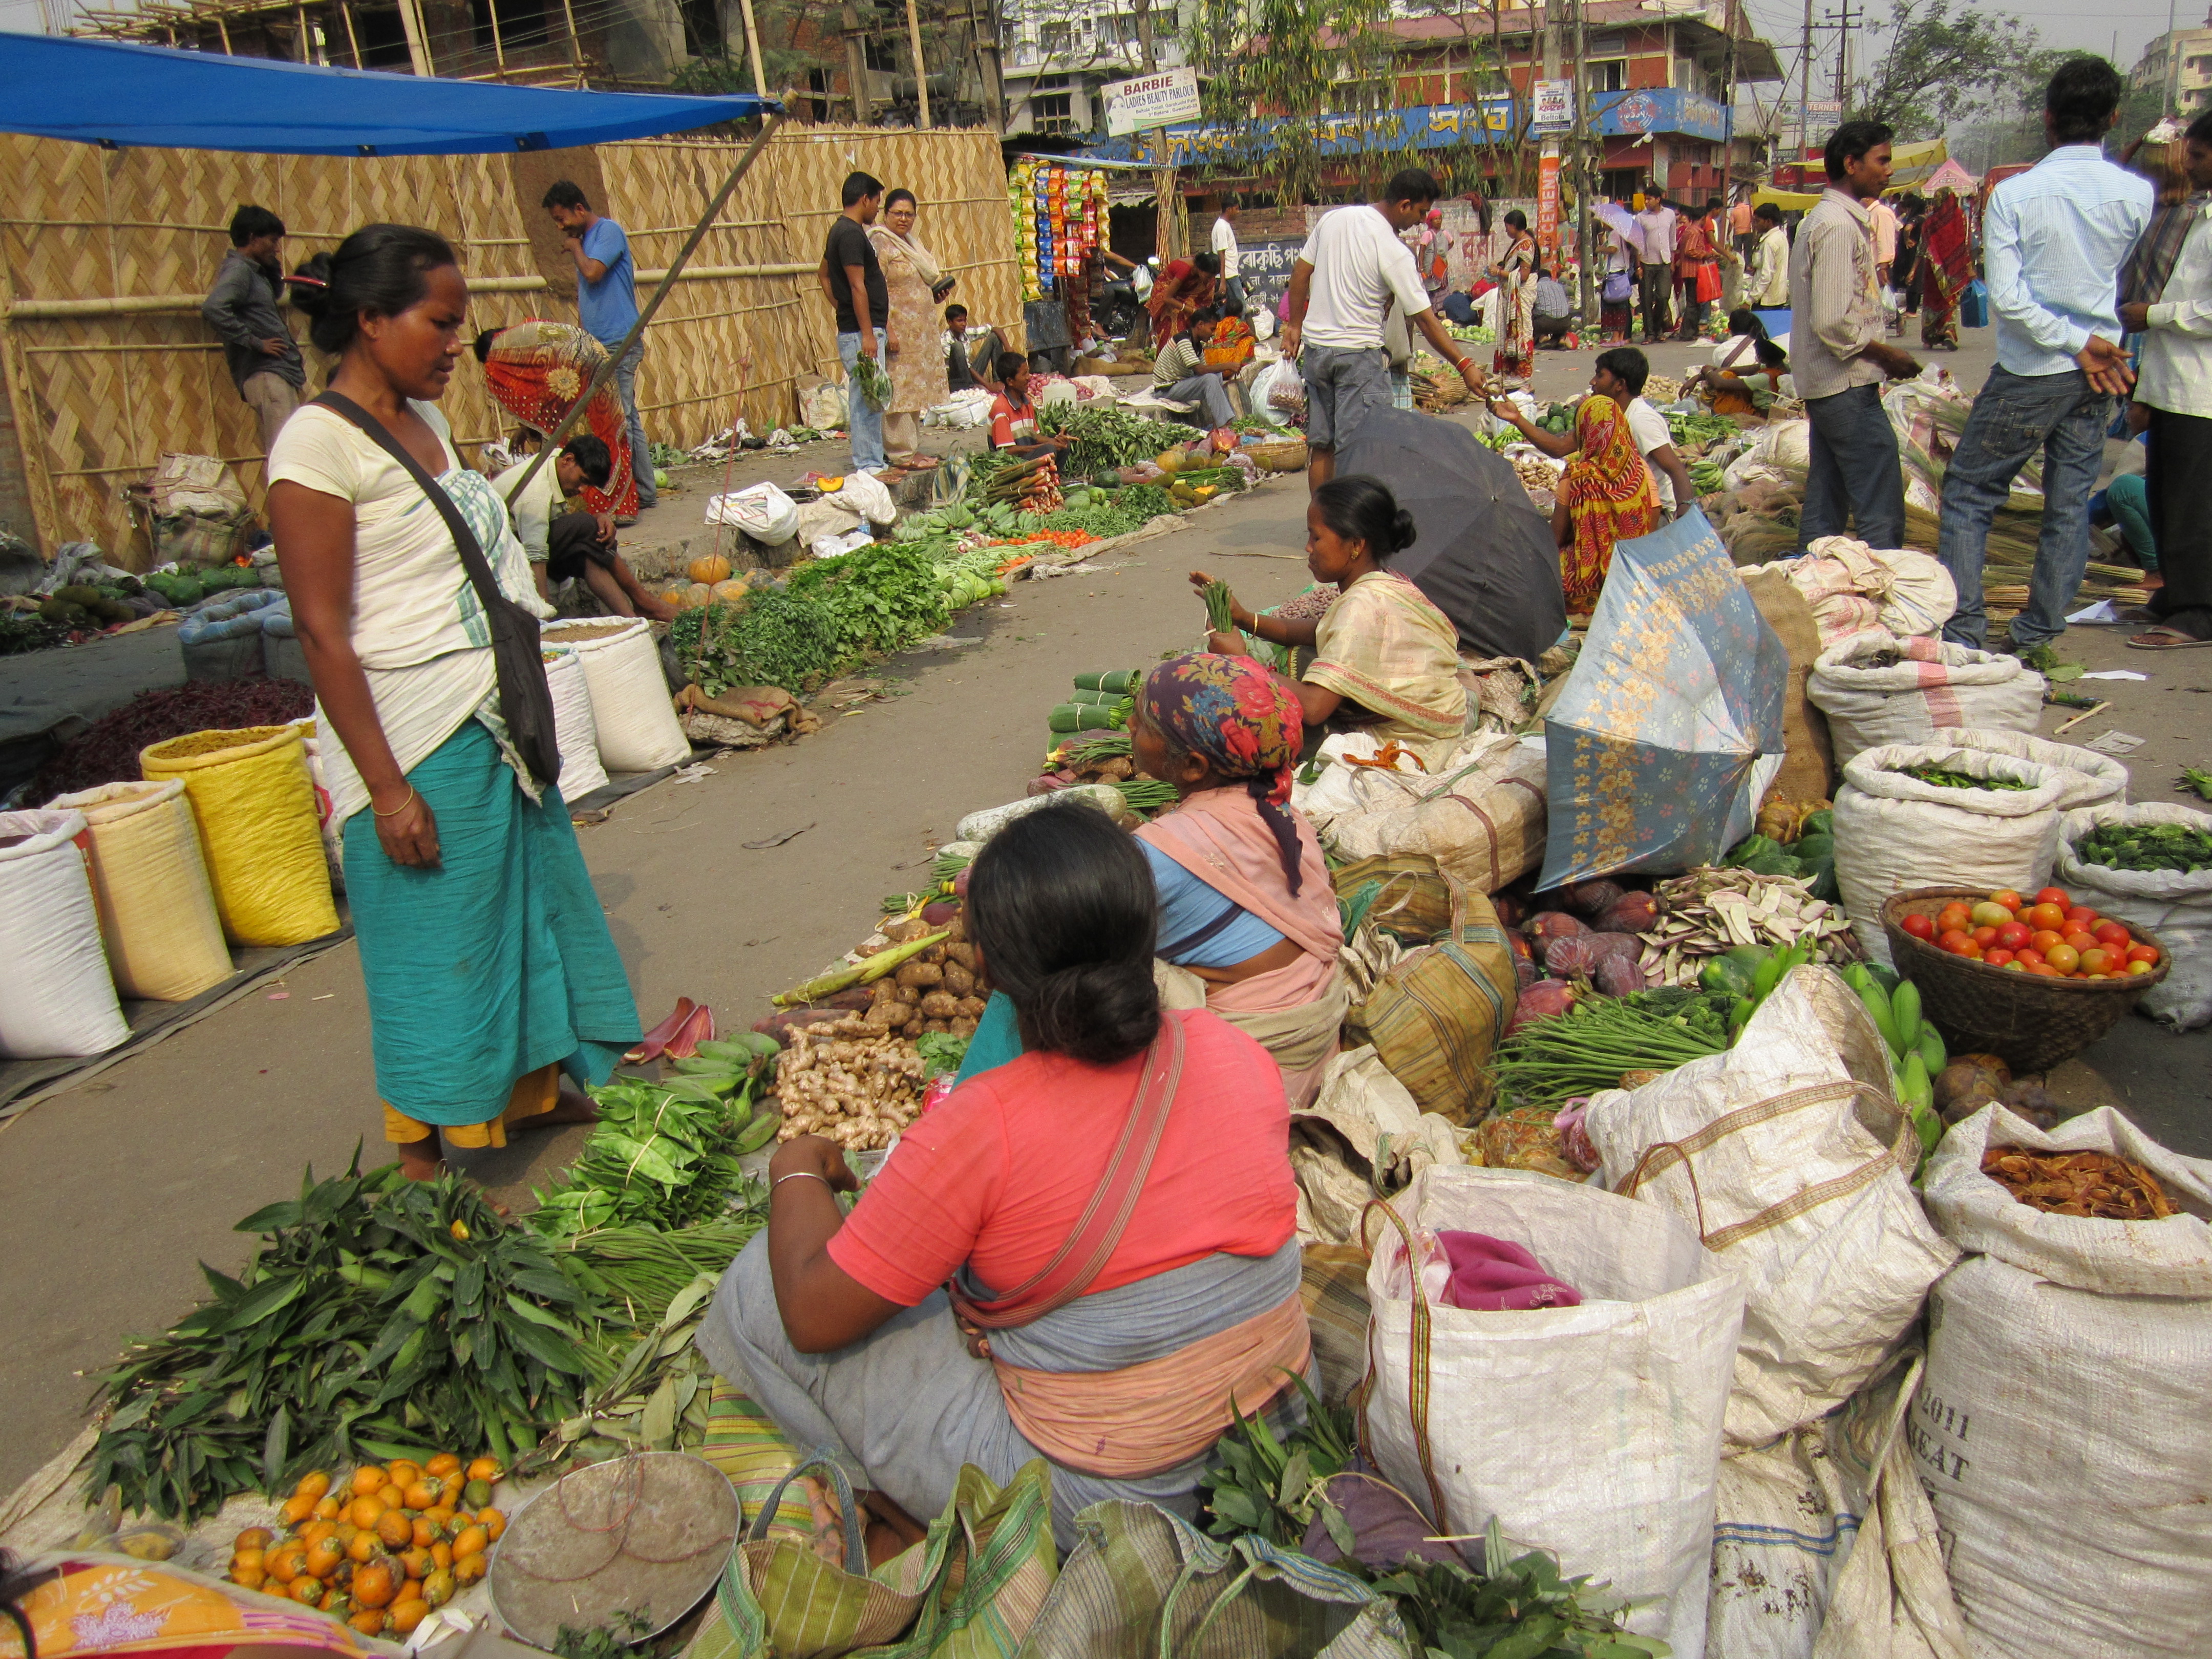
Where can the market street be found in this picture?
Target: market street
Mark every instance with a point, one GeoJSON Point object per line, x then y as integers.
{"type": "Point", "coordinates": [111, 1191]}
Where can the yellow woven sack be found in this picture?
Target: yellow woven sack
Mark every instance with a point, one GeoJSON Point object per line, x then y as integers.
{"type": "Point", "coordinates": [156, 910]}
{"type": "Point", "coordinates": [255, 806]}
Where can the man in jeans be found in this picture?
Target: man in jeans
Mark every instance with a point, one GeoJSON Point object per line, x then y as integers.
{"type": "Point", "coordinates": [1839, 355]}
{"type": "Point", "coordinates": [1180, 374]}
{"type": "Point", "coordinates": [263, 358]}
{"type": "Point", "coordinates": [1352, 266]}
{"type": "Point", "coordinates": [853, 279]}
{"type": "Point", "coordinates": [607, 306]}
{"type": "Point", "coordinates": [2052, 241]}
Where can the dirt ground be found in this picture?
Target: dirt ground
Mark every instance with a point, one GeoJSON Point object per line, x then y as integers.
{"type": "Point", "coordinates": [112, 1192]}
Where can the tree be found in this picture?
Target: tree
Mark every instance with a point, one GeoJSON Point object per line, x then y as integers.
{"type": "Point", "coordinates": [1943, 67]}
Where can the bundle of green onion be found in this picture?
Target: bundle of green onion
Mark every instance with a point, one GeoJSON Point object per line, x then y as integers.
{"type": "Point", "coordinates": [1218, 614]}
{"type": "Point", "coordinates": [1587, 1047]}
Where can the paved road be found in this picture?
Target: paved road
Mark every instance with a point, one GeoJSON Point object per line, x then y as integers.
{"type": "Point", "coordinates": [110, 1193]}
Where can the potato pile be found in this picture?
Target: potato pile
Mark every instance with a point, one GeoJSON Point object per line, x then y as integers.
{"type": "Point", "coordinates": [850, 1079]}
{"type": "Point", "coordinates": [936, 991]}
{"type": "Point", "coordinates": [381, 1549]}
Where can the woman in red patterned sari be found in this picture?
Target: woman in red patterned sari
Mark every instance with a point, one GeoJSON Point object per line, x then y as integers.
{"type": "Point", "coordinates": [1605, 496]}
{"type": "Point", "coordinates": [537, 369]}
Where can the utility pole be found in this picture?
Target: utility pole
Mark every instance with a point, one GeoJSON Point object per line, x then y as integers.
{"type": "Point", "coordinates": [1804, 90]}
{"type": "Point", "coordinates": [856, 61]}
{"type": "Point", "coordinates": [2173, 62]}
{"type": "Point", "coordinates": [1584, 259]}
{"type": "Point", "coordinates": [1843, 22]}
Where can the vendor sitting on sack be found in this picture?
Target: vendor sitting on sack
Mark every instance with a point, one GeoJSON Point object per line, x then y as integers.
{"type": "Point", "coordinates": [1083, 1255]}
{"type": "Point", "coordinates": [1386, 660]}
{"type": "Point", "coordinates": [564, 543]}
{"type": "Point", "coordinates": [1248, 918]}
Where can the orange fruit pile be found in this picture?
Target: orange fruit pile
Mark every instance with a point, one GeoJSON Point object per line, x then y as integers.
{"type": "Point", "coordinates": [381, 1548]}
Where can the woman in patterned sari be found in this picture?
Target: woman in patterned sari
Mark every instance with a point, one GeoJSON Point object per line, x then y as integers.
{"type": "Point", "coordinates": [1517, 301]}
{"type": "Point", "coordinates": [535, 369]}
{"type": "Point", "coordinates": [1947, 266]}
{"type": "Point", "coordinates": [1605, 496]}
{"type": "Point", "coordinates": [917, 287]}
{"type": "Point", "coordinates": [1184, 289]}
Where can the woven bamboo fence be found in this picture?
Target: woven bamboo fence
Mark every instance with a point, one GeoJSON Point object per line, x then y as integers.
{"type": "Point", "coordinates": [106, 253]}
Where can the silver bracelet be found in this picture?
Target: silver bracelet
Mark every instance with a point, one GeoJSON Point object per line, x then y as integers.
{"type": "Point", "coordinates": [800, 1175]}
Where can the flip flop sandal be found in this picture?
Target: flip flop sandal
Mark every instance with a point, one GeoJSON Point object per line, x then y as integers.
{"type": "Point", "coordinates": [650, 1046]}
{"type": "Point", "coordinates": [697, 1030]}
{"type": "Point", "coordinates": [2166, 638]}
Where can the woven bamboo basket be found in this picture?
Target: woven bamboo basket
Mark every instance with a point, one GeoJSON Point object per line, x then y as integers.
{"type": "Point", "coordinates": [2028, 1021]}
{"type": "Point", "coordinates": [1280, 455]}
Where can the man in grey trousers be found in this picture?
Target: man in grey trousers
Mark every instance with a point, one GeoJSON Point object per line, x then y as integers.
{"type": "Point", "coordinates": [263, 358]}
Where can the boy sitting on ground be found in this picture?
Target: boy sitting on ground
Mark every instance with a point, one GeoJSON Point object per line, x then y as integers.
{"type": "Point", "coordinates": [562, 544]}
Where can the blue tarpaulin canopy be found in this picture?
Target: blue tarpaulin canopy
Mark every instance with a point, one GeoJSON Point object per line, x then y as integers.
{"type": "Point", "coordinates": [107, 93]}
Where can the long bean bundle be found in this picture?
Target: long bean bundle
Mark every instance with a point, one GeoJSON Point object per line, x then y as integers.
{"type": "Point", "coordinates": [1219, 615]}
{"type": "Point", "coordinates": [1147, 794]}
{"type": "Point", "coordinates": [1587, 1047]}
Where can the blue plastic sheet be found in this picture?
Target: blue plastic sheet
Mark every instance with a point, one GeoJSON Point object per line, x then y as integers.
{"type": "Point", "coordinates": [1670, 726]}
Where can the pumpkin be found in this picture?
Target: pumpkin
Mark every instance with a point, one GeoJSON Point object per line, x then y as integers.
{"type": "Point", "coordinates": [696, 595]}
{"type": "Point", "coordinates": [733, 592]}
{"type": "Point", "coordinates": [711, 570]}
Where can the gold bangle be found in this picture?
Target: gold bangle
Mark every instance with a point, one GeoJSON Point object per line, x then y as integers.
{"type": "Point", "coordinates": [398, 809]}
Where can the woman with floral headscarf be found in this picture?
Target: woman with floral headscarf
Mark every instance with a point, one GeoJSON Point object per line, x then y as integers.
{"type": "Point", "coordinates": [1248, 918]}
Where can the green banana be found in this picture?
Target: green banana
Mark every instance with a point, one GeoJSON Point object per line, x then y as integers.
{"type": "Point", "coordinates": [1932, 1054]}
{"type": "Point", "coordinates": [760, 1132]}
{"type": "Point", "coordinates": [1904, 1013]}
{"type": "Point", "coordinates": [1877, 1003]}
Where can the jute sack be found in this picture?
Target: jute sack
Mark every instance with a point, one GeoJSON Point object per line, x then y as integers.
{"type": "Point", "coordinates": [631, 714]}
{"type": "Point", "coordinates": [56, 998]}
{"type": "Point", "coordinates": [1592, 1432]}
{"type": "Point", "coordinates": [1479, 812]}
{"type": "Point", "coordinates": [574, 727]}
{"type": "Point", "coordinates": [1934, 691]}
{"type": "Point", "coordinates": [253, 803]}
{"type": "Point", "coordinates": [1894, 832]}
{"type": "Point", "coordinates": [2061, 1428]}
{"type": "Point", "coordinates": [1787, 1154]}
{"type": "Point", "coordinates": [2176, 906]}
{"type": "Point", "coordinates": [149, 881]}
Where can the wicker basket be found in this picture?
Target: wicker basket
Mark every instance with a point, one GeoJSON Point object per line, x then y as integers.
{"type": "Point", "coordinates": [2029, 1021]}
{"type": "Point", "coordinates": [1281, 455]}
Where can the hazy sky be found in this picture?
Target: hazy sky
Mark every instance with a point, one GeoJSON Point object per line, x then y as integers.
{"type": "Point", "coordinates": [2092, 28]}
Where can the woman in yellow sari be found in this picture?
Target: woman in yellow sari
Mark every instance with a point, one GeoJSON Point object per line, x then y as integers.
{"type": "Point", "coordinates": [1386, 660]}
{"type": "Point", "coordinates": [1605, 496]}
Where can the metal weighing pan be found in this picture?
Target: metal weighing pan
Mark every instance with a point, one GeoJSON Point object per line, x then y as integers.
{"type": "Point", "coordinates": [645, 1535]}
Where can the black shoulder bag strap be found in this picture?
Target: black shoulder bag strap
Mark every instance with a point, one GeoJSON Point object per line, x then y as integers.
{"type": "Point", "coordinates": [525, 703]}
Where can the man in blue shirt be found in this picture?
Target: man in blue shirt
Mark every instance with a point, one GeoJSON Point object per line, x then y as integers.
{"type": "Point", "coordinates": [2052, 242]}
{"type": "Point", "coordinates": [607, 306]}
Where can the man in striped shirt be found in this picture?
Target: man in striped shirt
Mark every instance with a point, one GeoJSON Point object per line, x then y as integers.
{"type": "Point", "coordinates": [1179, 373]}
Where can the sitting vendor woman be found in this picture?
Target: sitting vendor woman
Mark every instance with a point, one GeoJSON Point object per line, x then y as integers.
{"type": "Point", "coordinates": [1248, 925]}
{"type": "Point", "coordinates": [1083, 1254]}
{"type": "Point", "coordinates": [1386, 660]}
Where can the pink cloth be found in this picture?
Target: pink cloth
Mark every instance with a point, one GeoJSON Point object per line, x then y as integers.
{"type": "Point", "coordinates": [1494, 1276]}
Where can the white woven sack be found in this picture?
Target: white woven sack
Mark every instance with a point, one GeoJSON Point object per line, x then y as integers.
{"type": "Point", "coordinates": [867, 495]}
{"type": "Point", "coordinates": [56, 1000]}
{"type": "Point", "coordinates": [573, 728]}
{"type": "Point", "coordinates": [2061, 1428]}
{"type": "Point", "coordinates": [1480, 812]}
{"type": "Point", "coordinates": [762, 511]}
{"type": "Point", "coordinates": [1590, 1432]}
{"type": "Point", "coordinates": [1787, 1153]}
{"type": "Point", "coordinates": [1935, 690]}
{"type": "Point", "coordinates": [1893, 832]}
{"type": "Point", "coordinates": [631, 713]}
{"type": "Point", "coordinates": [2176, 907]}
{"type": "Point", "coordinates": [150, 884]}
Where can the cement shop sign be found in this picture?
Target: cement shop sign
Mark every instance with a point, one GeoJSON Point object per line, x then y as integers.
{"type": "Point", "coordinates": [1425, 126]}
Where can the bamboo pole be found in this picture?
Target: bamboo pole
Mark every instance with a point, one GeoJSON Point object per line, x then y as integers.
{"type": "Point", "coordinates": [753, 48]}
{"type": "Point", "coordinates": [345, 10]}
{"type": "Point", "coordinates": [575, 45]}
{"type": "Point", "coordinates": [605, 373]}
{"type": "Point", "coordinates": [143, 304]}
{"type": "Point", "coordinates": [418, 49]}
{"type": "Point", "coordinates": [920, 68]}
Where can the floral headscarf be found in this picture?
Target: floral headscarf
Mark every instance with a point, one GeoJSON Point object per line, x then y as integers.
{"type": "Point", "coordinates": [1242, 720]}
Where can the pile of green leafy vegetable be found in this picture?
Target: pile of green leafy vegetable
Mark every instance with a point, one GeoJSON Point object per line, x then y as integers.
{"type": "Point", "coordinates": [1701, 430]}
{"type": "Point", "coordinates": [1945, 777]}
{"type": "Point", "coordinates": [881, 597]}
{"type": "Point", "coordinates": [1302, 1492]}
{"type": "Point", "coordinates": [2179, 848]}
{"type": "Point", "coordinates": [1105, 436]}
{"type": "Point", "coordinates": [1098, 511]}
{"type": "Point", "coordinates": [2195, 778]}
{"type": "Point", "coordinates": [1812, 856]}
{"type": "Point", "coordinates": [788, 639]}
{"type": "Point", "coordinates": [381, 1317]}
{"type": "Point", "coordinates": [20, 633]}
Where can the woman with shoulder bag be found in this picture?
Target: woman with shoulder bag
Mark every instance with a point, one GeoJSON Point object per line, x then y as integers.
{"type": "Point", "coordinates": [488, 966]}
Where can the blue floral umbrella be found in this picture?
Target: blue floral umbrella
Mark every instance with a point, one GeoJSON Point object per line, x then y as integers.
{"type": "Point", "coordinates": [1670, 726]}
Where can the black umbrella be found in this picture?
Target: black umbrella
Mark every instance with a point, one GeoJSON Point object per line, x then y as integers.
{"type": "Point", "coordinates": [1483, 553]}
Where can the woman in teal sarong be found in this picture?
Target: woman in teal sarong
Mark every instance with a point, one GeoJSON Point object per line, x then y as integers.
{"type": "Point", "coordinates": [489, 968]}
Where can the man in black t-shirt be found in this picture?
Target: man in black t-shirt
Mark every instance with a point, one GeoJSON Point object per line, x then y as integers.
{"type": "Point", "coordinates": [851, 278]}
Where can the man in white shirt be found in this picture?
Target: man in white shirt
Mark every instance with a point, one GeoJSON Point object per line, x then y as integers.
{"type": "Point", "coordinates": [1351, 267]}
{"type": "Point", "coordinates": [2053, 241]}
{"type": "Point", "coordinates": [2175, 389]}
{"type": "Point", "coordinates": [1839, 352]}
{"type": "Point", "coordinates": [1654, 254]}
{"type": "Point", "coordinates": [1770, 287]}
{"type": "Point", "coordinates": [561, 544]}
{"type": "Point", "coordinates": [1224, 245]}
